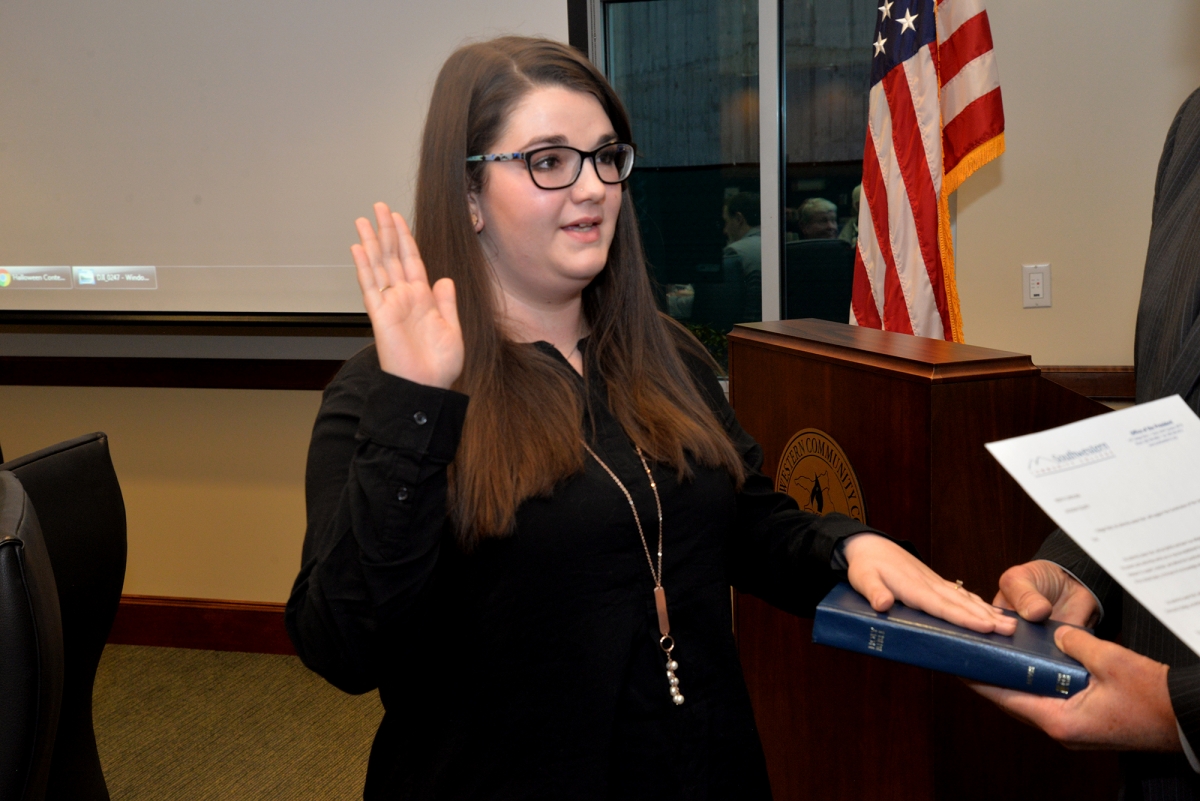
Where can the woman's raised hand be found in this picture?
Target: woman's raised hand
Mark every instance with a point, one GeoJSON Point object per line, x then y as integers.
{"type": "Point", "coordinates": [416, 326]}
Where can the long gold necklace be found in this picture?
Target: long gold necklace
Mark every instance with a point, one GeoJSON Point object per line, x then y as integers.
{"type": "Point", "coordinates": [665, 641]}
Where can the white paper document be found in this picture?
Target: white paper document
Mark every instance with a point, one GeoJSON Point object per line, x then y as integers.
{"type": "Point", "coordinates": [1126, 487]}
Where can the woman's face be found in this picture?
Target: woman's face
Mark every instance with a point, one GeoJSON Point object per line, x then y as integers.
{"type": "Point", "coordinates": [545, 245]}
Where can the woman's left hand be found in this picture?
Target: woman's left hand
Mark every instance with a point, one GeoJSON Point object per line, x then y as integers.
{"type": "Point", "coordinates": [884, 573]}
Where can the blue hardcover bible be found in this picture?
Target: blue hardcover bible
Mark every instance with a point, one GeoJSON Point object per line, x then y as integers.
{"type": "Point", "coordinates": [1028, 660]}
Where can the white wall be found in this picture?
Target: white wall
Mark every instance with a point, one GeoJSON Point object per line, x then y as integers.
{"type": "Point", "coordinates": [213, 479]}
{"type": "Point", "coordinates": [1090, 88]}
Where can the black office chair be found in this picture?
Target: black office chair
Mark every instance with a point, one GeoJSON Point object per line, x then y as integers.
{"type": "Point", "coordinates": [31, 649]}
{"type": "Point", "coordinates": [819, 279]}
{"type": "Point", "coordinates": [74, 488]}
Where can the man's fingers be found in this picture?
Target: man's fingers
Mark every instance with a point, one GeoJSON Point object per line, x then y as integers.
{"type": "Point", "coordinates": [997, 695]}
{"type": "Point", "coordinates": [1025, 707]}
{"type": "Point", "coordinates": [1079, 645]}
{"type": "Point", "coordinates": [1001, 600]}
{"type": "Point", "coordinates": [1017, 585]}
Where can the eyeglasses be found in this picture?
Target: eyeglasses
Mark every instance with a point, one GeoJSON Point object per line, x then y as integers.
{"type": "Point", "coordinates": [560, 166]}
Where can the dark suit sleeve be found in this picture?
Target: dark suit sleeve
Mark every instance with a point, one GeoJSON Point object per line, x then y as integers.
{"type": "Point", "coordinates": [1170, 180]}
{"type": "Point", "coordinates": [376, 494]}
{"type": "Point", "coordinates": [1184, 687]}
{"type": "Point", "coordinates": [1183, 683]}
{"type": "Point", "coordinates": [776, 551]}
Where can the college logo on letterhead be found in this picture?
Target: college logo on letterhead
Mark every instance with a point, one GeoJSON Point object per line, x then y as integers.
{"type": "Point", "coordinates": [1070, 459]}
{"type": "Point", "coordinates": [815, 471]}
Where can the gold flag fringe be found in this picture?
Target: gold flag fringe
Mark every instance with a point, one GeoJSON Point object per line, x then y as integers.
{"type": "Point", "coordinates": [950, 182]}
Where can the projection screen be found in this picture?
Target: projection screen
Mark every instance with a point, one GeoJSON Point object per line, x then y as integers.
{"type": "Point", "coordinates": [212, 156]}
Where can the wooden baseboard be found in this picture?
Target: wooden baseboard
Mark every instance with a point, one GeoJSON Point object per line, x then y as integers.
{"type": "Point", "coordinates": [201, 623]}
{"type": "Point", "coordinates": [1098, 383]}
{"type": "Point", "coordinates": [96, 371]}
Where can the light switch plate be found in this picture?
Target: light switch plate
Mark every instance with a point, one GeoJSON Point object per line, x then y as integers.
{"type": "Point", "coordinates": [1035, 285]}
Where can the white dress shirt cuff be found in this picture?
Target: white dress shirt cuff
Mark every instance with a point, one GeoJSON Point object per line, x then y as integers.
{"type": "Point", "coordinates": [1187, 749]}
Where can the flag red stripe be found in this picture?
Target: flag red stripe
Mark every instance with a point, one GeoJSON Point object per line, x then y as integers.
{"type": "Point", "coordinates": [863, 299]}
{"type": "Point", "coordinates": [874, 191]}
{"type": "Point", "coordinates": [972, 39]}
{"type": "Point", "coordinates": [977, 123]}
{"type": "Point", "coordinates": [914, 168]}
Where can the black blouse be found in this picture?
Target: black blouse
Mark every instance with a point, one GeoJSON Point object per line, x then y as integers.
{"type": "Point", "coordinates": [530, 667]}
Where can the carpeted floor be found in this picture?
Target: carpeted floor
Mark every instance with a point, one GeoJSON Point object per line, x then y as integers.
{"type": "Point", "coordinates": [184, 724]}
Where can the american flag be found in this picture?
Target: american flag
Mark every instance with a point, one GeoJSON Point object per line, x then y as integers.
{"type": "Point", "coordinates": [934, 117]}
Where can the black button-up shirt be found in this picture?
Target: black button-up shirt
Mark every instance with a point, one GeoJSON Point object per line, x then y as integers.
{"type": "Point", "coordinates": [530, 666]}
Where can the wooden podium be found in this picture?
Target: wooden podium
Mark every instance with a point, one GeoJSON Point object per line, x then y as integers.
{"type": "Point", "coordinates": [911, 416]}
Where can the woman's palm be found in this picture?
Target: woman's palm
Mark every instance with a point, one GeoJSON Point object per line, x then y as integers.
{"type": "Point", "coordinates": [416, 327]}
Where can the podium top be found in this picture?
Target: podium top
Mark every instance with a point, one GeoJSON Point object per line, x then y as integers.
{"type": "Point", "coordinates": [867, 348]}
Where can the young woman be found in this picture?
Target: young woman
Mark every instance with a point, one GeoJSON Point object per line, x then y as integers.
{"type": "Point", "coordinates": [527, 501]}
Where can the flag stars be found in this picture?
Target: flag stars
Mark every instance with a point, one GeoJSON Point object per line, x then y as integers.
{"type": "Point", "coordinates": [906, 22]}
{"type": "Point", "coordinates": [879, 43]}
{"type": "Point", "coordinates": [886, 10]}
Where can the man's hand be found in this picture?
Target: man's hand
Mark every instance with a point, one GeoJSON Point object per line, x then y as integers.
{"type": "Point", "coordinates": [1041, 589]}
{"type": "Point", "coordinates": [1126, 705]}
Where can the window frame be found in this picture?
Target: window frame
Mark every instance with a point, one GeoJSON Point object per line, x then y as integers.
{"type": "Point", "coordinates": [585, 24]}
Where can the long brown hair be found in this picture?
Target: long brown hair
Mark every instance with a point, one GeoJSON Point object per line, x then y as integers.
{"type": "Point", "coordinates": [523, 430]}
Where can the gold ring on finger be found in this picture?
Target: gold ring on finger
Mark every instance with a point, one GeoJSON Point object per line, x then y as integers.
{"type": "Point", "coordinates": [958, 585]}
{"type": "Point", "coordinates": [389, 286]}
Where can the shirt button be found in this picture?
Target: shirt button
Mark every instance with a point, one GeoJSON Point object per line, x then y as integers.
{"type": "Point", "coordinates": [420, 419]}
{"type": "Point", "coordinates": [402, 494]}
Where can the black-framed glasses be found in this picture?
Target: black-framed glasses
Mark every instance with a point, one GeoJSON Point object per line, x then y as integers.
{"type": "Point", "coordinates": [559, 166]}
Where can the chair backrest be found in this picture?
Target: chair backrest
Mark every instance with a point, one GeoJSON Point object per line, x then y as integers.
{"type": "Point", "coordinates": [31, 649]}
{"type": "Point", "coordinates": [82, 514]}
{"type": "Point", "coordinates": [819, 278]}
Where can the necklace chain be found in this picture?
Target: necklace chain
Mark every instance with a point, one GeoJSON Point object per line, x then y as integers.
{"type": "Point", "coordinates": [666, 642]}
{"type": "Point", "coordinates": [655, 571]}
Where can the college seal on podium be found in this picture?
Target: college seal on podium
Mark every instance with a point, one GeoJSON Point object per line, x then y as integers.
{"type": "Point", "coordinates": [814, 470]}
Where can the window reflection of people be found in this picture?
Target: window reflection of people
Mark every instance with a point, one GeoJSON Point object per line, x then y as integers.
{"type": "Point", "coordinates": [743, 254]}
{"type": "Point", "coordinates": [482, 481]}
{"type": "Point", "coordinates": [818, 219]}
{"type": "Point", "coordinates": [849, 232]}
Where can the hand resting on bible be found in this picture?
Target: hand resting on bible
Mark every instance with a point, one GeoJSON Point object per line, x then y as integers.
{"type": "Point", "coordinates": [884, 573]}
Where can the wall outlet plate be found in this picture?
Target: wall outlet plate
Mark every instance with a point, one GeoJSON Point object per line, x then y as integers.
{"type": "Point", "coordinates": [1035, 285]}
